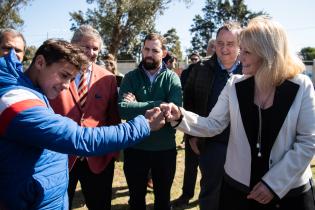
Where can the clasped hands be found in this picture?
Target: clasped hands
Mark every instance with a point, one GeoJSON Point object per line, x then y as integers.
{"type": "Point", "coordinates": [154, 116]}
{"type": "Point", "coordinates": [158, 116]}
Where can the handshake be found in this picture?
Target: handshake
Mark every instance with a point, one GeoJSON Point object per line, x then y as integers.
{"type": "Point", "coordinates": [158, 116]}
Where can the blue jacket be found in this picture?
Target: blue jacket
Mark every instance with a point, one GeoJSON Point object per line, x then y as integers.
{"type": "Point", "coordinates": [34, 143]}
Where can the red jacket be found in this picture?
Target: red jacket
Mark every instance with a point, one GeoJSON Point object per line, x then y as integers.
{"type": "Point", "coordinates": [100, 109]}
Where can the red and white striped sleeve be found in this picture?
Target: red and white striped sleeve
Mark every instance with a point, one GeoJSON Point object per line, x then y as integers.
{"type": "Point", "coordinates": [13, 102]}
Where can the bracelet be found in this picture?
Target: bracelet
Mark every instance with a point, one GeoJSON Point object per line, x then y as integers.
{"type": "Point", "coordinates": [179, 119]}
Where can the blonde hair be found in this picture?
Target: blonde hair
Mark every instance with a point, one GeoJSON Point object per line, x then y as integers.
{"type": "Point", "coordinates": [268, 40]}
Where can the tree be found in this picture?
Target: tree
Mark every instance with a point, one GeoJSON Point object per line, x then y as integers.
{"type": "Point", "coordinates": [308, 54]}
{"type": "Point", "coordinates": [121, 22]}
{"type": "Point", "coordinates": [202, 31]}
{"type": "Point", "coordinates": [215, 13]}
{"type": "Point", "coordinates": [9, 13]}
{"type": "Point", "coordinates": [29, 55]}
{"type": "Point", "coordinates": [173, 43]}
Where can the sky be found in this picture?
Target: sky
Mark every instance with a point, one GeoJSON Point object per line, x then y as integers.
{"type": "Point", "coordinates": [50, 19]}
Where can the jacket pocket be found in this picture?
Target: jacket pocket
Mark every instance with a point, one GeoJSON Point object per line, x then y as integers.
{"type": "Point", "coordinates": [31, 194]}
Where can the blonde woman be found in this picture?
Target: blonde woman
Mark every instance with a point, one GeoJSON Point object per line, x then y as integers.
{"type": "Point", "coordinates": [271, 110]}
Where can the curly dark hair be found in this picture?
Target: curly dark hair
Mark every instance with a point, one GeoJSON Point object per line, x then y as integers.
{"type": "Point", "coordinates": [55, 50]}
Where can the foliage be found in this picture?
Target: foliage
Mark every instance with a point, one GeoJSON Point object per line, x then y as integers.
{"type": "Point", "coordinates": [120, 22]}
{"type": "Point", "coordinates": [9, 13]}
{"type": "Point", "coordinates": [308, 53]}
{"type": "Point", "coordinates": [215, 13]}
{"type": "Point", "coordinates": [29, 54]}
{"type": "Point", "coordinates": [173, 43]}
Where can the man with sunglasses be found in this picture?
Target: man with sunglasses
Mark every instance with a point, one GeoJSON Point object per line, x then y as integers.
{"type": "Point", "coordinates": [194, 57]}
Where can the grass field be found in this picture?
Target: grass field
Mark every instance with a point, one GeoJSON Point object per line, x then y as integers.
{"type": "Point", "coordinates": [120, 189]}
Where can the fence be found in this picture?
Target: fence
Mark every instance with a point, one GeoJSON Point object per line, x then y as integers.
{"type": "Point", "coordinates": [126, 66]}
{"type": "Point", "coordinates": [310, 69]}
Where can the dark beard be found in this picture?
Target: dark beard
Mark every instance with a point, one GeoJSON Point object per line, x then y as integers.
{"type": "Point", "coordinates": [152, 65]}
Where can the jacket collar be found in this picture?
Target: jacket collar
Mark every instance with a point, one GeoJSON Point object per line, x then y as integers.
{"type": "Point", "coordinates": [283, 99]}
{"type": "Point", "coordinates": [74, 89]}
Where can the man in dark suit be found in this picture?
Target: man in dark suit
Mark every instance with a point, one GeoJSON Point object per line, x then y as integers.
{"type": "Point", "coordinates": [94, 173]}
{"type": "Point", "coordinates": [194, 58]}
{"type": "Point", "coordinates": [202, 89]}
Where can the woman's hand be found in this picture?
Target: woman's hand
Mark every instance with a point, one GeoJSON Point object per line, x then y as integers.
{"type": "Point", "coordinates": [171, 111]}
{"type": "Point", "coordinates": [193, 142]}
{"type": "Point", "coordinates": [261, 193]}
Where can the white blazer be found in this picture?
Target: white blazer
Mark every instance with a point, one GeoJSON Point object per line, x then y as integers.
{"type": "Point", "coordinates": [293, 149]}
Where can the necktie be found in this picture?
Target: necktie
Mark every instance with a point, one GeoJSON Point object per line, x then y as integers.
{"type": "Point", "coordinates": [83, 89]}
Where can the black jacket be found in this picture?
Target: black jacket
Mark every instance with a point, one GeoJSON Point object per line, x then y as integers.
{"type": "Point", "coordinates": [199, 87]}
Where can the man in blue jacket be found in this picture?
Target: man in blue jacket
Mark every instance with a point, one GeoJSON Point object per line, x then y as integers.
{"type": "Point", "coordinates": [10, 38]}
{"type": "Point", "coordinates": [34, 141]}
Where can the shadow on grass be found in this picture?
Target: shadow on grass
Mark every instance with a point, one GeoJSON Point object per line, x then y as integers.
{"type": "Point", "coordinates": [126, 207]}
{"type": "Point", "coordinates": [120, 192]}
{"type": "Point", "coordinates": [192, 204]}
{"type": "Point", "coordinates": [189, 206]}
{"type": "Point", "coordinates": [78, 200]}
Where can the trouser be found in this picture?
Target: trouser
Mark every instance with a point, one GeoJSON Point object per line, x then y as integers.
{"type": "Point", "coordinates": [235, 199]}
{"type": "Point", "coordinates": [190, 172]}
{"type": "Point", "coordinates": [96, 188]}
{"type": "Point", "coordinates": [211, 164]}
{"type": "Point", "coordinates": [137, 164]}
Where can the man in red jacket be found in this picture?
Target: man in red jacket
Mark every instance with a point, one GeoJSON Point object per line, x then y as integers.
{"type": "Point", "coordinates": [97, 107]}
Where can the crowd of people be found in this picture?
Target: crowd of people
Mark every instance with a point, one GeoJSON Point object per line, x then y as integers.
{"type": "Point", "coordinates": [246, 111]}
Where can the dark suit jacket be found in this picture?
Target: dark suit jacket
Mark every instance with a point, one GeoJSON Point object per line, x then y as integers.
{"type": "Point", "coordinates": [100, 109]}
{"type": "Point", "coordinates": [198, 87]}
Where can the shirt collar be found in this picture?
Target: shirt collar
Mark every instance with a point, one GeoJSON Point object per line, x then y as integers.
{"type": "Point", "coordinates": [88, 75]}
{"type": "Point", "coordinates": [232, 69]}
{"type": "Point", "coordinates": [152, 76]}
{"type": "Point", "coordinates": [89, 68]}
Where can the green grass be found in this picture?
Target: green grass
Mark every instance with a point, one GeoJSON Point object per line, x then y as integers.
{"type": "Point", "coordinates": [120, 188]}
